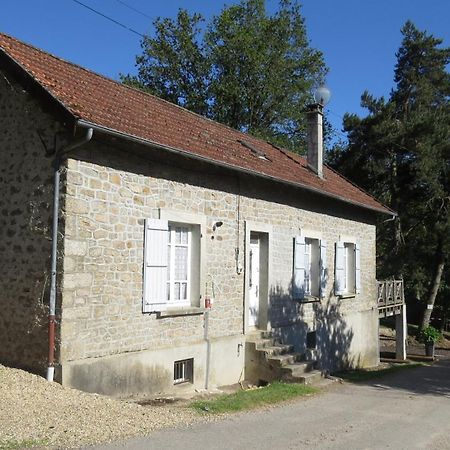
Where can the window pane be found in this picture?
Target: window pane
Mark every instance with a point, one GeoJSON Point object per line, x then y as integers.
{"type": "Point", "coordinates": [178, 235]}
{"type": "Point", "coordinates": [168, 263]}
{"type": "Point", "coordinates": [176, 291]}
{"type": "Point", "coordinates": [184, 236]}
{"type": "Point", "coordinates": [181, 263]}
{"type": "Point", "coordinates": [183, 291]}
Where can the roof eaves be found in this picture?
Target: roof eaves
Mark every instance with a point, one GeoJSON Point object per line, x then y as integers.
{"type": "Point", "coordinates": [86, 124]}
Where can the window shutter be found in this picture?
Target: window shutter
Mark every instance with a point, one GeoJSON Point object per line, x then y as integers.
{"type": "Point", "coordinates": [155, 265]}
{"type": "Point", "coordinates": [323, 269]}
{"type": "Point", "coordinates": [298, 287]}
{"type": "Point", "coordinates": [339, 269]}
{"type": "Point", "coordinates": [357, 269]}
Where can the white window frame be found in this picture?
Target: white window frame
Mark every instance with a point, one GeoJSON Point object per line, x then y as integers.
{"type": "Point", "coordinates": [347, 267]}
{"type": "Point", "coordinates": [310, 266]}
{"type": "Point", "coordinates": [171, 281]}
{"type": "Point", "coordinates": [155, 298]}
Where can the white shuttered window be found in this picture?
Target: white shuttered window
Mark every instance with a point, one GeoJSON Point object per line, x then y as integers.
{"type": "Point", "coordinates": [167, 265]}
{"type": "Point", "coordinates": [155, 264]}
{"type": "Point", "coordinates": [347, 268]}
{"type": "Point", "coordinates": [310, 272]}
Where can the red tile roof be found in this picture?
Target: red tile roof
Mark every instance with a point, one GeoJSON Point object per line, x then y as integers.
{"type": "Point", "coordinates": [106, 103]}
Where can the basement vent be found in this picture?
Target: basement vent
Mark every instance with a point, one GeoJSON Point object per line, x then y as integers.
{"type": "Point", "coordinates": [183, 371]}
{"type": "Point", "coordinates": [258, 153]}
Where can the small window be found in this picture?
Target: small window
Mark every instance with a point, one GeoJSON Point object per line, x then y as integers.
{"type": "Point", "coordinates": [311, 340]}
{"type": "Point", "coordinates": [183, 371]}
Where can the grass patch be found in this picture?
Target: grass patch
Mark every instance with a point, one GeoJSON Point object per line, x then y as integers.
{"type": "Point", "coordinates": [252, 398]}
{"type": "Point", "coordinates": [28, 443]}
{"type": "Point", "coordinates": [360, 375]}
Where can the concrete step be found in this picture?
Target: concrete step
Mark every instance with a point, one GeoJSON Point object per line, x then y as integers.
{"type": "Point", "coordinates": [259, 334]}
{"type": "Point", "coordinates": [277, 349]}
{"type": "Point", "coordinates": [284, 360]}
{"type": "Point", "coordinates": [262, 344]}
{"type": "Point", "coordinates": [307, 378]}
{"type": "Point", "coordinates": [298, 368]}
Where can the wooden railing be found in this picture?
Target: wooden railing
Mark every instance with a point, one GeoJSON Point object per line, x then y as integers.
{"type": "Point", "coordinates": [390, 296]}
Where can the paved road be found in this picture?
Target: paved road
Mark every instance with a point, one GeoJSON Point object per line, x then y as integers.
{"type": "Point", "coordinates": [407, 410]}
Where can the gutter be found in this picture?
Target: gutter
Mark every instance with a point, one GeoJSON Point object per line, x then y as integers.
{"type": "Point", "coordinates": [59, 157]}
{"type": "Point", "coordinates": [85, 124]}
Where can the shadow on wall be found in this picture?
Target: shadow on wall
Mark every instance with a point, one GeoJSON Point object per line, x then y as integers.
{"type": "Point", "coordinates": [312, 326]}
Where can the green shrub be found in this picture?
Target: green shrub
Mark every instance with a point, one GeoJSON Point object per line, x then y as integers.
{"type": "Point", "coordinates": [429, 334]}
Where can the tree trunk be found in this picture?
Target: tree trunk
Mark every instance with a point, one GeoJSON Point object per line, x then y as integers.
{"type": "Point", "coordinates": [435, 283]}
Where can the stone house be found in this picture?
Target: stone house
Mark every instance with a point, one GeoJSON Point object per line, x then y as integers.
{"type": "Point", "coordinates": [177, 239]}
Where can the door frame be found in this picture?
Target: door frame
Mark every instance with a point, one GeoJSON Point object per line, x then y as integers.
{"type": "Point", "coordinates": [265, 232]}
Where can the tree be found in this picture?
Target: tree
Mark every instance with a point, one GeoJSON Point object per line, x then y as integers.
{"type": "Point", "coordinates": [400, 152]}
{"type": "Point", "coordinates": [248, 69]}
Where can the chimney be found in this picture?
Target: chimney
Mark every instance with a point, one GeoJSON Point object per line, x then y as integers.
{"type": "Point", "coordinates": [315, 138]}
{"type": "Point", "coordinates": [322, 96]}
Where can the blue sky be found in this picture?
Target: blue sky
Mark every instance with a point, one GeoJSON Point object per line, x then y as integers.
{"type": "Point", "coordinates": [359, 38]}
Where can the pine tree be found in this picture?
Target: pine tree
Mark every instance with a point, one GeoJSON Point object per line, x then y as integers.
{"type": "Point", "coordinates": [401, 153]}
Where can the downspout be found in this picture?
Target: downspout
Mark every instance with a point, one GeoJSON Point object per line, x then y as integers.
{"type": "Point", "coordinates": [60, 155]}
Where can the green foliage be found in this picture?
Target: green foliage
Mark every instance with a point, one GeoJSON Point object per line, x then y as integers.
{"type": "Point", "coordinates": [247, 69]}
{"type": "Point", "coordinates": [400, 153]}
{"type": "Point", "coordinates": [28, 443]}
{"type": "Point", "coordinates": [253, 398]}
{"type": "Point", "coordinates": [429, 334]}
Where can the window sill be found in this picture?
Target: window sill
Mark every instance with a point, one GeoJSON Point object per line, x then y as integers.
{"type": "Point", "coordinates": [349, 295]}
{"type": "Point", "coordinates": [180, 311]}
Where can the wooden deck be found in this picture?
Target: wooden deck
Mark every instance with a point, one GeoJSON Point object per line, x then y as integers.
{"type": "Point", "coordinates": [390, 297]}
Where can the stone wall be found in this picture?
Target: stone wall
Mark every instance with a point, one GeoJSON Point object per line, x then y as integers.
{"type": "Point", "coordinates": [109, 194]}
{"type": "Point", "coordinates": [26, 187]}
{"type": "Point", "coordinates": [110, 188]}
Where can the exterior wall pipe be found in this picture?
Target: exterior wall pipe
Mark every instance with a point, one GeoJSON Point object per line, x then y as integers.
{"type": "Point", "coordinates": [60, 155]}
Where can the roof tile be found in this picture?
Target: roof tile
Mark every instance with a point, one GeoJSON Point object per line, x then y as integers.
{"type": "Point", "coordinates": [107, 103]}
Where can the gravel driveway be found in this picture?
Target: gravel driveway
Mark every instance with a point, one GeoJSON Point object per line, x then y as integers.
{"type": "Point", "coordinates": [47, 414]}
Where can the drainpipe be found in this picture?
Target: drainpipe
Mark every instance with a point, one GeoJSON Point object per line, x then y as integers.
{"type": "Point", "coordinates": [60, 155]}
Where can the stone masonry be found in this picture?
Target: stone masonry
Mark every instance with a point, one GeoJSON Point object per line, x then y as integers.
{"type": "Point", "coordinates": [108, 190]}
{"type": "Point", "coordinates": [26, 186]}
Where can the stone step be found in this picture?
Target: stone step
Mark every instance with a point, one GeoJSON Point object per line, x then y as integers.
{"type": "Point", "coordinates": [307, 378]}
{"type": "Point", "coordinates": [259, 334]}
{"type": "Point", "coordinates": [275, 350]}
{"type": "Point", "coordinates": [262, 344]}
{"type": "Point", "coordinates": [298, 368]}
{"type": "Point", "coordinates": [284, 360]}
